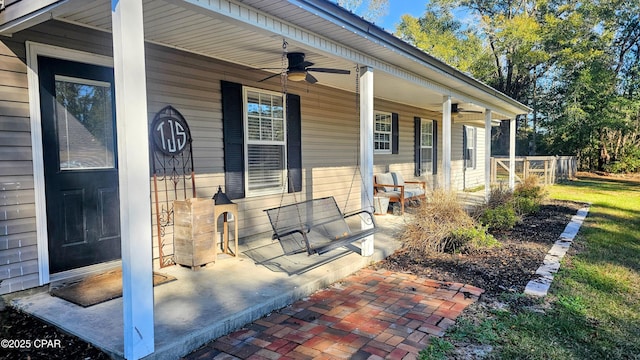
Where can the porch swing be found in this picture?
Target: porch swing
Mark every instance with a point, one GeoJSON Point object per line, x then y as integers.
{"type": "Point", "coordinates": [317, 226]}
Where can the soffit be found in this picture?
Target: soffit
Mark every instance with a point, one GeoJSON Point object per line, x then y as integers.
{"type": "Point", "coordinates": [185, 25]}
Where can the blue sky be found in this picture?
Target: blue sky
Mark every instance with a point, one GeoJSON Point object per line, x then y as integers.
{"type": "Point", "coordinates": [397, 8]}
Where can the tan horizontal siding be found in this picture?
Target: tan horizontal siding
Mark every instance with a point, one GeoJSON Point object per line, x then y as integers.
{"type": "Point", "coordinates": [18, 249]}
{"type": "Point", "coordinates": [14, 123]}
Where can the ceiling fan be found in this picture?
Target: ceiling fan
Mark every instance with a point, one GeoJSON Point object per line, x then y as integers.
{"type": "Point", "coordinates": [458, 110]}
{"type": "Point", "coordinates": [298, 69]}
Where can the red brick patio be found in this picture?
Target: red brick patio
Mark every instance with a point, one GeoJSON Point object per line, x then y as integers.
{"type": "Point", "coordinates": [368, 315]}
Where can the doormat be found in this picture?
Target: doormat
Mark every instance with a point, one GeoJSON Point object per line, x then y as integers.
{"type": "Point", "coordinates": [99, 288]}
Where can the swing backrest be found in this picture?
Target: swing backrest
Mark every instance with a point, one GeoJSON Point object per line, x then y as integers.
{"type": "Point", "coordinates": [308, 225]}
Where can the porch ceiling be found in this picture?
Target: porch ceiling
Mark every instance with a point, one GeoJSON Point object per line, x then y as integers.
{"type": "Point", "coordinates": [198, 27]}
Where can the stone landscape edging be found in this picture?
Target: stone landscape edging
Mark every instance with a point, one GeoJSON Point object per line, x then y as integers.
{"type": "Point", "coordinates": [551, 264]}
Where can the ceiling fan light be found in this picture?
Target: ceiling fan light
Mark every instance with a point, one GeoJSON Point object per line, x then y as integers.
{"type": "Point", "coordinates": [296, 75]}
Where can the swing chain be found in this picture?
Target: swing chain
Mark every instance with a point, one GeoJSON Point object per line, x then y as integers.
{"type": "Point", "coordinates": [355, 170]}
{"type": "Point", "coordinates": [284, 87]}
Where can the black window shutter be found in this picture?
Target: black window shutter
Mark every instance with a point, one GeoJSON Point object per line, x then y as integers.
{"type": "Point", "coordinates": [395, 136]}
{"type": "Point", "coordinates": [294, 144]}
{"type": "Point", "coordinates": [417, 129]}
{"type": "Point", "coordinates": [233, 132]}
{"type": "Point", "coordinates": [465, 153]}
{"type": "Point", "coordinates": [435, 147]}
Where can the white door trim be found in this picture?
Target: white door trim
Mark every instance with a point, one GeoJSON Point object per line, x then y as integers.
{"type": "Point", "coordinates": [33, 51]}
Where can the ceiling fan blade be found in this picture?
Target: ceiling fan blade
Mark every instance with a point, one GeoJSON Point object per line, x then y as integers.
{"type": "Point", "coordinates": [469, 111]}
{"type": "Point", "coordinates": [269, 77]}
{"type": "Point", "coordinates": [332, 71]}
{"type": "Point", "coordinates": [311, 79]}
{"type": "Point", "coordinates": [306, 64]}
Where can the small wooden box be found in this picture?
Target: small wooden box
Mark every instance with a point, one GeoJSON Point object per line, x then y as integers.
{"type": "Point", "coordinates": [194, 232]}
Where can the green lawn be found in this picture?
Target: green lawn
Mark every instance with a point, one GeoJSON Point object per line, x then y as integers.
{"type": "Point", "coordinates": [593, 308]}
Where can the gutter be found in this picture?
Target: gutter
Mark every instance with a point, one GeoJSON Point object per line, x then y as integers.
{"type": "Point", "coordinates": [346, 19]}
{"type": "Point", "coordinates": [25, 14]}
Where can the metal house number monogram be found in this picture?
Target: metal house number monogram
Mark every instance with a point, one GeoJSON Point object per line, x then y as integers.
{"type": "Point", "coordinates": [170, 132]}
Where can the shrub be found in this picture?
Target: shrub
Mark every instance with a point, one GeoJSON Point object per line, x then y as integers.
{"type": "Point", "coordinates": [528, 196]}
{"type": "Point", "coordinates": [502, 217]}
{"type": "Point", "coordinates": [524, 206]}
{"type": "Point", "coordinates": [499, 195]}
{"type": "Point", "coordinates": [529, 188]}
{"type": "Point", "coordinates": [443, 225]}
{"type": "Point", "coordinates": [435, 220]}
{"type": "Point", "coordinates": [473, 238]}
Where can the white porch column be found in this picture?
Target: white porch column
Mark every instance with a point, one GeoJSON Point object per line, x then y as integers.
{"type": "Point", "coordinates": [512, 153]}
{"type": "Point", "coordinates": [366, 151]}
{"type": "Point", "coordinates": [133, 163]}
{"type": "Point", "coordinates": [446, 142]}
{"type": "Point", "coordinates": [487, 153]}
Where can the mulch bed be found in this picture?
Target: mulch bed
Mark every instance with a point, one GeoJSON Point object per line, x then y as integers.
{"type": "Point", "coordinates": [507, 268]}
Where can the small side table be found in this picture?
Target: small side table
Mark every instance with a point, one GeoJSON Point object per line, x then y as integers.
{"type": "Point", "coordinates": [225, 210]}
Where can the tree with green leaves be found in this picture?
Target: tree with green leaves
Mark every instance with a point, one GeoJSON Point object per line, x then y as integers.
{"type": "Point", "coordinates": [576, 63]}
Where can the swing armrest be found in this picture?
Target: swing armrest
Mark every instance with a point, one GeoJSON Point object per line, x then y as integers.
{"type": "Point", "coordinates": [358, 212]}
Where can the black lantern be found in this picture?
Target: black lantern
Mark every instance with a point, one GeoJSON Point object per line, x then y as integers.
{"type": "Point", "coordinates": [221, 198]}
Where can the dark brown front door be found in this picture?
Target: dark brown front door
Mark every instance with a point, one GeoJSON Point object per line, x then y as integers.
{"type": "Point", "coordinates": [80, 163]}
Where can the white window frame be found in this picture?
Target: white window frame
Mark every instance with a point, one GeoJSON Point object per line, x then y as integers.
{"type": "Point", "coordinates": [377, 132]}
{"type": "Point", "coordinates": [471, 135]}
{"type": "Point", "coordinates": [247, 142]}
{"type": "Point", "coordinates": [423, 170]}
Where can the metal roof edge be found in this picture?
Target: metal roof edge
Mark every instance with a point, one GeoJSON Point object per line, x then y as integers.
{"type": "Point", "coordinates": [347, 19]}
{"type": "Point", "coordinates": [33, 14]}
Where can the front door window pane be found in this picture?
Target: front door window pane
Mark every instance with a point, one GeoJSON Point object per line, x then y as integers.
{"type": "Point", "coordinates": [84, 120]}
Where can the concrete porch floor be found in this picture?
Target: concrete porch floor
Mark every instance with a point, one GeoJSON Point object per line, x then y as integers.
{"type": "Point", "coordinates": [213, 301]}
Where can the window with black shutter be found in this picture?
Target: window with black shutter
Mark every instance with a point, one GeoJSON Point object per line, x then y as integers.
{"type": "Point", "coordinates": [262, 148]}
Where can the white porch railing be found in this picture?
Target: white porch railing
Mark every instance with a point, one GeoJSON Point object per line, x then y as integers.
{"type": "Point", "coordinates": [549, 169]}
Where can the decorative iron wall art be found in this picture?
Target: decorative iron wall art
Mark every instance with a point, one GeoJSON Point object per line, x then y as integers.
{"type": "Point", "coordinates": [173, 173]}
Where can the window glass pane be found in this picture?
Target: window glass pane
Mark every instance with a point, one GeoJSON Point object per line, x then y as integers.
{"type": "Point", "coordinates": [427, 133]}
{"type": "Point", "coordinates": [265, 105]}
{"type": "Point", "coordinates": [427, 160]}
{"type": "Point", "coordinates": [277, 107]}
{"type": "Point", "coordinates": [266, 130]}
{"type": "Point", "coordinates": [253, 99]}
{"type": "Point", "coordinates": [278, 129]}
{"type": "Point", "coordinates": [84, 118]}
{"type": "Point", "coordinates": [266, 167]}
{"type": "Point", "coordinates": [253, 128]}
